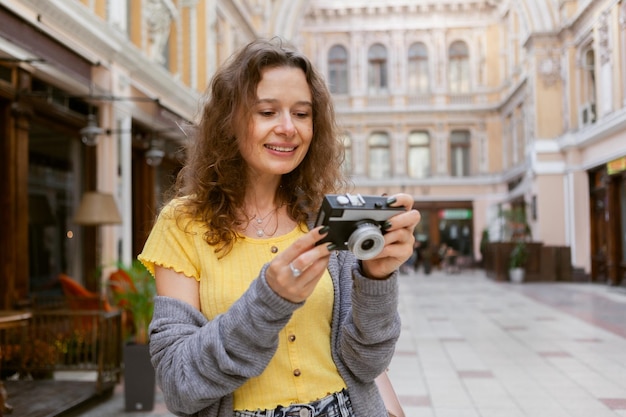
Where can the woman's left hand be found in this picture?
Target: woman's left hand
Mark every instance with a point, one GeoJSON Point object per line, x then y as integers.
{"type": "Point", "coordinates": [399, 240]}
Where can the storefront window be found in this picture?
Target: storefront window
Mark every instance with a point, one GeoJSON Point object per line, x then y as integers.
{"type": "Point", "coordinates": [53, 180]}
{"type": "Point", "coordinates": [455, 229]}
{"type": "Point", "coordinates": [6, 74]}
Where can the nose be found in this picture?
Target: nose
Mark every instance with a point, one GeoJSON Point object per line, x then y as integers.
{"type": "Point", "coordinates": [285, 125]}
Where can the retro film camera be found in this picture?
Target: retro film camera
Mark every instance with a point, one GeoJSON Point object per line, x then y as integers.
{"type": "Point", "coordinates": [355, 222]}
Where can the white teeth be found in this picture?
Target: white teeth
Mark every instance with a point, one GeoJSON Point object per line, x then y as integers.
{"type": "Point", "coordinates": [279, 148]}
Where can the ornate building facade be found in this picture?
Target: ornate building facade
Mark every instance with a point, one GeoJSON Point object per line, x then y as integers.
{"type": "Point", "coordinates": [471, 106]}
{"type": "Point", "coordinates": [475, 107]}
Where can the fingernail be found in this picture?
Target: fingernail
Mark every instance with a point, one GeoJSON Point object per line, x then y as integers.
{"type": "Point", "coordinates": [331, 247]}
{"type": "Point", "coordinates": [324, 230]}
{"type": "Point", "coordinates": [386, 225]}
{"type": "Point", "coordinates": [391, 200]}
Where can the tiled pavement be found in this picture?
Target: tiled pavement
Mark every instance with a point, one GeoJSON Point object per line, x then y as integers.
{"type": "Point", "coordinates": [472, 347]}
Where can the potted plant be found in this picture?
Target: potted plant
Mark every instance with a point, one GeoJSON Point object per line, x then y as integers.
{"type": "Point", "coordinates": [517, 262]}
{"type": "Point", "coordinates": [133, 290]}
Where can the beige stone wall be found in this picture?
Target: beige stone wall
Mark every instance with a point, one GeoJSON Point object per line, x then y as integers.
{"type": "Point", "coordinates": [524, 108]}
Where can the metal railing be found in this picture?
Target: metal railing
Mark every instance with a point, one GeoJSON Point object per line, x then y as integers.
{"type": "Point", "coordinates": [60, 338]}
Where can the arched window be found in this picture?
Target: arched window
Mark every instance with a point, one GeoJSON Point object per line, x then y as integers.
{"type": "Point", "coordinates": [460, 153]}
{"type": "Point", "coordinates": [338, 70]}
{"type": "Point", "coordinates": [347, 162]}
{"type": "Point", "coordinates": [418, 69]}
{"type": "Point", "coordinates": [377, 64]}
{"type": "Point", "coordinates": [379, 155]}
{"type": "Point", "coordinates": [458, 75]}
{"type": "Point", "coordinates": [418, 158]}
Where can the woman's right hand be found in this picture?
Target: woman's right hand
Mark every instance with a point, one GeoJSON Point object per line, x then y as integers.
{"type": "Point", "coordinates": [295, 272]}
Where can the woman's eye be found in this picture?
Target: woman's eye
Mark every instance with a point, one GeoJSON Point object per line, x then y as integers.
{"type": "Point", "coordinates": [266, 113]}
{"type": "Point", "coordinates": [301, 115]}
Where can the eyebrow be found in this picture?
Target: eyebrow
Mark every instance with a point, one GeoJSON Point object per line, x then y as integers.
{"type": "Point", "coordinates": [274, 101]}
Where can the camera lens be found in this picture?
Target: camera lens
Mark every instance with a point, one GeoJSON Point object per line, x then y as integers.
{"type": "Point", "coordinates": [367, 245]}
{"type": "Point", "coordinates": [366, 241]}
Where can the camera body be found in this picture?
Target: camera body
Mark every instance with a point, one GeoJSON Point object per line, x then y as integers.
{"type": "Point", "coordinates": [355, 222]}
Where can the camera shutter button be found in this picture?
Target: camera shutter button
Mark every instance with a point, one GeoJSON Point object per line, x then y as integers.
{"type": "Point", "coordinates": [343, 200]}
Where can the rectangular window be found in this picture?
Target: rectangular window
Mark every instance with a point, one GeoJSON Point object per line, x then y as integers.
{"type": "Point", "coordinates": [419, 155]}
{"type": "Point", "coordinates": [379, 156]}
{"type": "Point", "coordinates": [378, 77]}
{"type": "Point", "coordinates": [379, 163]}
{"type": "Point", "coordinates": [338, 80]}
{"type": "Point", "coordinates": [460, 153]}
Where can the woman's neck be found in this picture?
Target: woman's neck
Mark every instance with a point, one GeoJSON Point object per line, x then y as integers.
{"type": "Point", "coordinates": [264, 211]}
{"type": "Point", "coordinates": [262, 195]}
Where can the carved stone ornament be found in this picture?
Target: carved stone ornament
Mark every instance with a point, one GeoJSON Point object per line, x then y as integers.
{"type": "Point", "coordinates": [549, 69]}
{"type": "Point", "coordinates": [158, 19]}
{"type": "Point", "coordinates": [603, 39]}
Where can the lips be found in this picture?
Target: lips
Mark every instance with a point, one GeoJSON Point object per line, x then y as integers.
{"type": "Point", "coordinates": [281, 148]}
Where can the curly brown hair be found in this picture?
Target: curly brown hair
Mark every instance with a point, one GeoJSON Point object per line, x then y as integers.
{"type": "Point", "coordinates": [214, 177]}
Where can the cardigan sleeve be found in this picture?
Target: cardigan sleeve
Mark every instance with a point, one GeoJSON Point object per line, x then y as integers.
{"type": "Point", "coordinates": [199, 362]}
{"type": "Point", "coordinates": [369, 322]}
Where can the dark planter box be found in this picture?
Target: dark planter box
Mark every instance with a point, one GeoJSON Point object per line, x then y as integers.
{"type": "Point", "coordinates": [139, 378]}
{"type": "Point", "coordinates": [545, 263]}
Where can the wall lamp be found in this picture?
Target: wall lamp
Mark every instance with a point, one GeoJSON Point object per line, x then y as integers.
{"type": "Point", "coordinates": [90, 136]}
{"type": "Point", "coordinates": [154, 157]}
{"type": "Point", "coordinates": [156, 151]}
{"type": "Point", "coordinates": [91, 133]}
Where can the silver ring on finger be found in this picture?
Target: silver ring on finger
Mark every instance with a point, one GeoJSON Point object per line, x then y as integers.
{"type": "Point", "coordinates": [294, 271]}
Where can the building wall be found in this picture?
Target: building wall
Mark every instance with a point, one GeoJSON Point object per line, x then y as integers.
{"type": "Point", "coordinates": [533, 101]}
{"type": "Point", "coordinates": [534, 121]}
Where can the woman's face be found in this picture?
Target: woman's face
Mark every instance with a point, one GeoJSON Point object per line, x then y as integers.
{"type": "Point", "coordinates": [281, 125]}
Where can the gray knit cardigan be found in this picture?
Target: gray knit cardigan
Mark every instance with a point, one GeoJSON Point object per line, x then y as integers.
{"type": "Point", "coordinates": [199, 363]}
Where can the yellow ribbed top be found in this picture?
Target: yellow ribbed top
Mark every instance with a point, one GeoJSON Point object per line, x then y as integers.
{"type": "Point", "coordinates": [302, 369]}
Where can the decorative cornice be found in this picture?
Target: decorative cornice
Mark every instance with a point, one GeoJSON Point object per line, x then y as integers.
{"type": "Point", "coordinates": [380, 8]}
{"type": "Point", "coordinates": [611, 124]}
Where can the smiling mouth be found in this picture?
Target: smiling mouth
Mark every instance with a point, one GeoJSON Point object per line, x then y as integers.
{"type": "Point", "coordinates": [281, 148]}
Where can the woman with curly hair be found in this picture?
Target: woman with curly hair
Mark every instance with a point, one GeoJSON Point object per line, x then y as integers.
{"type": "Point", "coordinates": [254, 317]}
